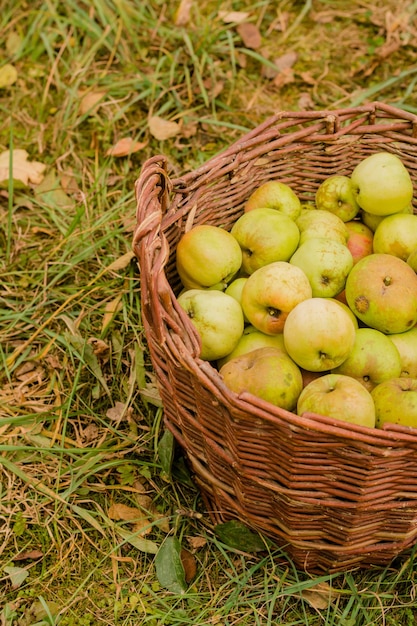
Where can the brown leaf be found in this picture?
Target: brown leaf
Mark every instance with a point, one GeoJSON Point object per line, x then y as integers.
{"type": "Point", "coordinates": [28, 555]}
{"type": "Point", "coordinates": [162, 129]}
{"type": "Point", "coordinates": [116, 412]}
{"type": "Point", "coordinates": [189, 564]}
{"type": "Point", "coordinates": [90, 102]}
{"type": "Point", "coordinates": [319, 596]}
{"type": "Point", "coordinates": [286, 61]}
{"type": "Point", "coordinates": [126, 146]}
{"type": "Point", "coordinates": [23, 171]}
{"type": "Point", "coordinates": [196, 542]}
{"type": "Point", "coordinates": [110, 311]}
{"type": "Point", "coordinates": [183, 14]}
{"type": "Point", "coordinates": [233, 17]}
{"type": "Point", "coordinates": [250, 35]}
{"type": "Point", "coordinates": [123, 512]}
{"type": "Point", "coordinates": [121, 262]}
{"type": "Point", "coordinates": [284, 78]}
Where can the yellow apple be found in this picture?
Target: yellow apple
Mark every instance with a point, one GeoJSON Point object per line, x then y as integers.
{"type": "Point", "coordinates": [321, 223]}
{"type": "Point", "coordinates": [397, 235]}
{"type": "Point", "coordinates": [273, 194]}
{"type": "Point", "coordinates": [395, 402]}
{"type": "Point", "coordinates": [335, 194]}
{"type": "Point", "coordinates": [267, 373]}
{"type": "Point", "coordinates": [406, 344]}
{"type": "Point", "coordinates": [340, 397]}
{"type": "Point", "coordinates": [252, 339]}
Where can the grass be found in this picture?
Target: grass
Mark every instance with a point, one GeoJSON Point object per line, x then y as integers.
{"type": "Point", "coordinates": [88, 495]}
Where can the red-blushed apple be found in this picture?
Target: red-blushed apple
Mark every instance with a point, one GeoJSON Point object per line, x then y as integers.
{"type": "Point", "coordinates": [406, 344]}
{"type": "Point", "coordinates": [373, 221]}
{"type": "Point", "coordinates": [373, 359]}
{"type": "Point", "coordinates": [218, 319]}
{"type": "Point", "coordinates": [265, 236]}
{"type": "Point", "coordinates": [207, 256]}
{"type": "Point", "coordinates": [326, 263]}
{"type": "Point", "coordinates": [320, 223]}
{"type": "Point", "coordinates": [318, 334]}
{"type": "Point", "coordinates": [395, 402]}
{"type": "Point", "coordinates": [271, 292]}
{"type": "Point", "coordinates": [412, 259]}
{"type": "Point", "coordinates": [381, 290]}
{"type": "Point", "coordinates": [273, 194]}
{"type": "Point", "coordinates": [382, 184]}
{"type": "Point", "coordinates": [335, 194]}
{"type": "Point", "coordinates": [267, 373]}
{"type": "Point", "coordinates": [397, 235]}
{"type": "Point", "coordinates": [252, 339]}
{"type": "Point", "coordinates": [340, 397]}
{"type": "Point", "coordinates": [360, 240]}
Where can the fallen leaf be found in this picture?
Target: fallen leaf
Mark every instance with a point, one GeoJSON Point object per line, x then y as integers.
{"type": "Point", "coordinates": [162, 129]}
{"type": "Point", "coordinates": [23, 171]}
{"type": "Point", "coordinates": [319, 596]}
{"type": "Point", "coordinates": [284, 78]}
{"type": "Point", "coordinates": [51, 192]}
{"type": "Point", "coordinates": [90, 102]}
{"type": "Point", "coordinates": [126, 146]}
{"type": "Point", "coordinates": [123, 512]}
{"type": "Point", "coordinates": [116, 412]}
{"type": "Point", "coordinates": [110, 310]}
{"type": "Point", "coordinates": [28, 555]}
{"type": "Point", "coordinates": [189, 564]}
{"type": "Point", "coordinates": [197, 542]}
{"type": "Point", "coordinates": [250, 35]}
{"type": "Point", "coordinates": [17, 575]}
{"type": "Point", "coordinates": [8, 75]}
{"type": "Point", "coordinates": [286, 60]}
{"type": "Point", "coordinates": [236, 17]}
{"type": "Point", "coordinates": [183, 13]}
{"type": "Point", "coordinates": [121, 262]}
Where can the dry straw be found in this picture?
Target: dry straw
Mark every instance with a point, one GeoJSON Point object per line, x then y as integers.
{"type": "Point", "coordinates": [333, 495]}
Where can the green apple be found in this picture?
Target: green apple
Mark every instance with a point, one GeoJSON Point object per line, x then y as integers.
{"type": "Point", "coordinates": [252, 339]}
{"type": "Point", "coordinates": [235, 289]}
{"type": "Point", "coordinates": [373, 221]}
{"type": "Point", "coordinates": [397, 235]}
{"type": "Point", "coordinates": [320, 223]}
{"type": "Point", "coordinates": [373, 359]}
{"type": "Point", "coordinates": [406, 344]}
{"type": "Point", "coordinates": [326, 263]}
{"type": "Point", "coordinates": [382, 184]}
{"type": "Point", "coordinates": [265, 236]}
{"type": "Point", "coordinates": [271, 292]}
{"type": "Point", "coordinates": [218, 319]}
{"type": "Point", "coordinates": [381, 290]}
{"type": "Point", "coordinates": [318, 334]}
{"type": "Point", "coordinates": [267, 373]}
{"type": "Point", "coordinates": [360, 240]}
{"type": "Point", "coordinates": [395, 402]}
{"type": "Point", "coordinates": [335, 194]}
{"type": "Point", "coordinates": [207, 256]}
{"type": "Point", "coordinates": [274, 194]}
{"type": "Point", "coordinates": [340, 397]}
{"type": "Point", "coordinates": [412, 259]}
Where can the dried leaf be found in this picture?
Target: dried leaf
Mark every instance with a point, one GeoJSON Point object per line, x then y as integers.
{"type": "Point", "coordinates": [183, 14]}
{"type": "Point", "coordinates": [286, 60]}
{"type": "Point", "coordinates": [51, 192]}
{"type": "Point", "coordinates": [189, 564]}
{"type": "Point", "coordinates": [123, 512]}
{"type": "Point", "coordinates": [233, 17]}
{"type": "Point", "coordinates": [28, 555]}
{"type": "Point", "coordinates": [319, 596]}
{"type": "Point", "coordinates": [17, 575]}
{"type": "Point", "coordinates": [197, 542]}
{"type": "Point", "coordinates": [90, 102]}
{"type": "Point", "coordinates": [117, 412]}
{"type": "Point", "coordinates": [121, 262]}
{"type": "Point", "coordinates": [23, 171]}
{"type": "Point", "coordinates": [8, 75]}
{"type": "Point", "coordinates": [126, 146]}
{"type": "Point", "coordinates": [110, 310]}
{"type": "Point", "coordinates": [162, 129]}
{"type": "Point", "coordinates": [250, 35]}
{"type": "Point", "coordinates": [284, 78]}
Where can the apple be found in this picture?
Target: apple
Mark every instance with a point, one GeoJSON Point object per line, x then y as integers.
{"type": "Point", "coordinates": [267, 373]}
{"type": "Point", "coordinates": [412, 259]}
{"type": "Point", "coordinates": [382, 184]}
{"type": "Point", "coordinates": [340, 397]}
{"type": "Point", "coordinates": [326, 263]}
{"type": "Point", "coordinates": [273, 194]}
{"type": "Point", "coordinates": [310, 376]}
{"type": "Point", "coordinates": [265, 236]}
{"type": "Point", "coordinates": [252, 339]}
{"type": "Point", "coordinates": [373, 359]}
{"type": "Point", "coordinates": [320, 223]}
{"type": "Point", "coordinates": [395, 402]}
{"type": "Point", "coordinates": [271, 292]}
{"type": "Point", "coordinates": [335, 194]}
{"type": "Point", "coordinates": [373, 221]}
{"type": "Point", "coordinates": [360, 240]}
{"type": "Point", "coordinates": [397, 235]}
{"type": "Point", "coordinates": [339, 300]}
{"type": "Point", "coordinates": [207, 256]}
{"type": "Point", "coordinates": [381, 290]}
{"type": "Point", "coordinates": [319, 334]}
{"type": "Point", "coordinates": [218, 319]}
{"type": "Point", "coordinates": [406, 344]}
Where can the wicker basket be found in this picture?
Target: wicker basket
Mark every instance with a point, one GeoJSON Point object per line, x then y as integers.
{"type": "Point", "coordinates": [334, 496]}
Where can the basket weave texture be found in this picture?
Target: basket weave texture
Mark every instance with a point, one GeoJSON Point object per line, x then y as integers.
{"type": "Point", "coordinates": [335, 496]}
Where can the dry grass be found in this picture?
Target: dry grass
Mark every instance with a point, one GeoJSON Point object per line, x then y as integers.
{"type": "Point", "coordinates": [80, 421]}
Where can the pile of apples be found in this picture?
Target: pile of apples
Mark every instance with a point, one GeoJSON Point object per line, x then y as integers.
{"type": "Point", "coordinates": [313, 307]}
